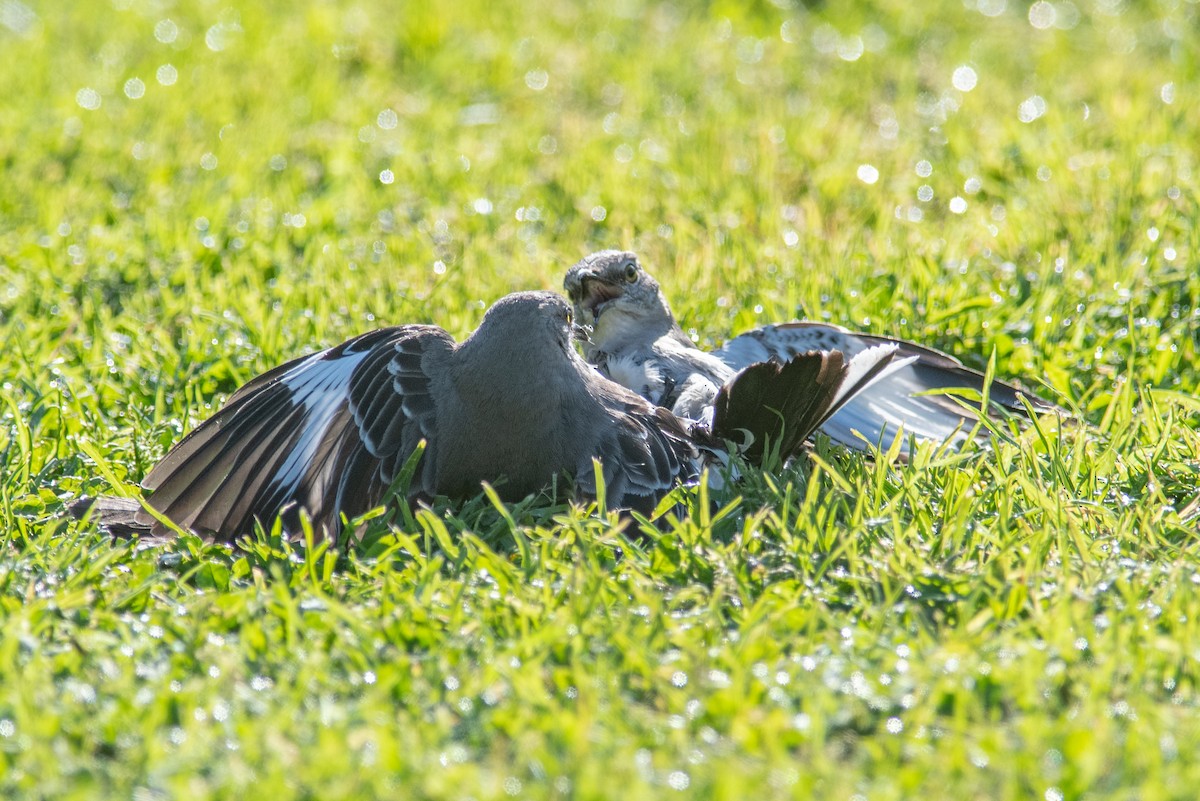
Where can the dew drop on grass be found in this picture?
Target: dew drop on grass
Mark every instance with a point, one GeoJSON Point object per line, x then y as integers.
{"type": "Point", "coordinates": [718, 679]}
{"type": "Point", "coordinates": [387, 119]}
{"type": "Point", "coordinates": [1042, 15]}
{"type": "Point", "coordinates": [867, 173]}
{"type": "Point", "coordinates": [166, 31]}
{"type": "Point", "coordinates": [850, 48]}
{"type": "Point", "coordinates": [221, 36]}
{"type": "Point", "coordinates": [135, 89]}
{"type": "Point", "coordinates": [537, 80]}
{"type": "Point", "coordinates": [166, 75]}
{"type": "Point", "coordinates": [964, 78]}
{"type": "Point", "coordinates": [991, 8]}
{"type": "Point", "coordinates": [88, 98]}
{"type": "Point", "coordinates": [1031, 108]}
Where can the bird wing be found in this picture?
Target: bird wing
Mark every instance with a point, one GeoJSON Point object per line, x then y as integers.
{"type": "Point", "coordinates": [781, 403]}
{"type": "Point", "coordinates": [895, 401]}
{"type": "Point", "coordinates": [327, 432]}
{"type": "Point", "coordinates": [785, 340]}
{"type": "Point", "coordinates": [648, 452]}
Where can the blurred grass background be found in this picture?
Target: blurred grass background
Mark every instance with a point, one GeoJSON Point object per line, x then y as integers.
{"type": "Point", "coordinates": [195, 191]}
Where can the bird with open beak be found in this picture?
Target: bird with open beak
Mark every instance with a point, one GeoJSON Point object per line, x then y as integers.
{"type": "Point", "coordinates": [636, 341]}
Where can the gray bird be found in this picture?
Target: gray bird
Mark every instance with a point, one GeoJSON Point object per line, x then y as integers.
{"type": "Point", "coordinates": [636, 341]}
{"type": "Point", "coordinates": [513, 404]}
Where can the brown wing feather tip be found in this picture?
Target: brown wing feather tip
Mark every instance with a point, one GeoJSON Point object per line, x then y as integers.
{"type": "Point", "coordinates": [779, 404]}
{"type": "Point", "coordinates": [120, 517]}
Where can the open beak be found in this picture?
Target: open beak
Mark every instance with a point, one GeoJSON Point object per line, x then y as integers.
{"type": "Point", "coordinates": [595, 293]}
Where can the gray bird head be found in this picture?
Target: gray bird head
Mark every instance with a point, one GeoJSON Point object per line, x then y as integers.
{"type": "Point", "coordinates": [539, 320]}
{"type": "Point", "coordinates": [623, 303]}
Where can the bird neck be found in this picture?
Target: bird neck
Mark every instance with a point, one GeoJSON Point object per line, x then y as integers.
{"type": "Point", "coordinates": [619, 329]}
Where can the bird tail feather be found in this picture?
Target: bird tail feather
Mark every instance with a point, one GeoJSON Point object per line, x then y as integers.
{"type": "Point", "coordinates": [773, 406]}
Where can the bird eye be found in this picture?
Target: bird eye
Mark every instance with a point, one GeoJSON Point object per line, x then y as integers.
{"type": "Point", "coordinates": [570, 317]}
{"type": "Point", "coordinates": [631, 272]}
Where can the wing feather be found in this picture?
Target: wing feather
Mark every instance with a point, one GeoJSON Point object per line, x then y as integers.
{"type": "Point", "coordinates": [315, 433]}
{"type": "Point", "coordinates": [650, 453]}
{"type": "Point", "coordinates": [783, 403]}
{"type": "Point", "coordinates": [895, 401]}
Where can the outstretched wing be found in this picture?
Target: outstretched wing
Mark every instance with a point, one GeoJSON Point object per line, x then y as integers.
{"type": "Point", "coordinates": [326, 433]}
{"type": "Point", "coordinates": [781, 403]}
{"type": "Point", "coordinates": [896, 401]}
{"type": "Point", "coordinates": [647, 455]}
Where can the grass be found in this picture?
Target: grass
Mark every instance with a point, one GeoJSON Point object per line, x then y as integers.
{"type": "Point", "coordinates": [1014, 624]}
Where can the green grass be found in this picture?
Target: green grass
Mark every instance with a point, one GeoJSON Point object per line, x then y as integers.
{"type": "Point", "coordinates": [1022, 624]}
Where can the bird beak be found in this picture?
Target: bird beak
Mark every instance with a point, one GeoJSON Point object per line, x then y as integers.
{"type": "Point", "coordinates": [581, 333]}
{"type": "Point", "coordinates": [595, 292]}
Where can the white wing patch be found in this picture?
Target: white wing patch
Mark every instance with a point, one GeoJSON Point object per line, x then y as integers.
{"type": "Point", "coordinates": [640, 376]}
{"type": "Point", "coordinates": [320, 386]}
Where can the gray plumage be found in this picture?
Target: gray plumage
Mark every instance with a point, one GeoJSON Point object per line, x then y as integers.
{"type": "Point", "coordinates": [636, 341]}
{"type": "Point", "coordinates": [513, 404]}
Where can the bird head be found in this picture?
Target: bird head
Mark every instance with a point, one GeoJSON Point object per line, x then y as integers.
{"type": "Point", "coordinates": [620, 300]}
{"type": "Point", "coordinates": [538, 319]}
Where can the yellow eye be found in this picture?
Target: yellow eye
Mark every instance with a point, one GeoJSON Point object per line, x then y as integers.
{"type": "Point", "coordinates": [570, 317]}
{"type": "Point", "coordinates": [631, 272]}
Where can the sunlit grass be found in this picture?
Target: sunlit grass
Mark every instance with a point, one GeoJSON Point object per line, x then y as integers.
{"type": "Point", "coordinates": [1001, 180]}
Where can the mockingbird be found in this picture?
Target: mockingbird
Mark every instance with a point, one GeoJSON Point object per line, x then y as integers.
{"type": "Point", "coordinates": [636, 341]}
{"type": "Point", "coordinates": [513, 404]}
